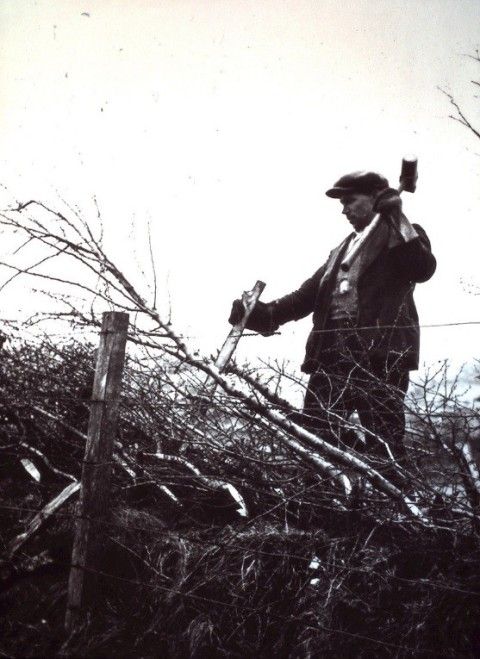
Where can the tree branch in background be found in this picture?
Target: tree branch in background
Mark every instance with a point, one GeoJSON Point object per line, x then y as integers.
{"type": "Point", "coordinates": [460, 115]}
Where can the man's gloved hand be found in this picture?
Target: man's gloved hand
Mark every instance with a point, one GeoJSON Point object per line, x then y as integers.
{"type": "Point", "coordinates": [388, 201]}
{"type": "Point", "coordinates": [260, 319]}
{"type": "Point", "coordinates": [237, 312]}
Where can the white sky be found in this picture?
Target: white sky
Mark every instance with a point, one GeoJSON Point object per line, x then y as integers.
{"type": "Point", "coordinates": [222, 122]}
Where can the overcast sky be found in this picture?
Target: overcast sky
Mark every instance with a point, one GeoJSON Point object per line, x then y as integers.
{"type": "Point", "coordinates": [222, 122]}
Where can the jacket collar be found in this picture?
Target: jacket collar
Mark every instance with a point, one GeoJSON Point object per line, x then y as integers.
{"type": "Point", "coordinates": [334, 259]}
{"type": "Point", "coordinates": [378, 240]}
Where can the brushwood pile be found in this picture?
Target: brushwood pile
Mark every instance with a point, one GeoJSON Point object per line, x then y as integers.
{"type": "Point", "coordinates": [220, 542]}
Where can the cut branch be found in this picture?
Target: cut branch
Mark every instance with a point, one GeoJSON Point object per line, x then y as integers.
{"type": "Point", "coordinates": [50, 509]}
{"type": "Point", "coordinates": [214, 483]}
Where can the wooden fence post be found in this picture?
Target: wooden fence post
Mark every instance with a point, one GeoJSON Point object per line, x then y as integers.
{"type": "Point", "coordinates": [93, 504]}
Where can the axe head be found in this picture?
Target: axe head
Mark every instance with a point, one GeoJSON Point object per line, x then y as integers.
{"type": "Point", "coordinates": [409, 174]}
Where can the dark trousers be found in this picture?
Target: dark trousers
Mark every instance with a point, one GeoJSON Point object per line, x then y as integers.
{"type": "Point", "coordinates": [348, 381]}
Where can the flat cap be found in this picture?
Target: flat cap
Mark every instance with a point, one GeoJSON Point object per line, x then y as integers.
{"type": "Point", "coordinates": [360, 182]}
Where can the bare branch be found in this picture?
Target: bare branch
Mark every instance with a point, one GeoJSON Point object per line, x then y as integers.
{"type": "Point", "coordinates": [51, 508]}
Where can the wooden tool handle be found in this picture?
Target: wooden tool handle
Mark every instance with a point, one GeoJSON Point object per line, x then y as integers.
{"type": "Point", "coordinates": [228, 348]}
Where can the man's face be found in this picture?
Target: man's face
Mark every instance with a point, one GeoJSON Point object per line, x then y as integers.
{"type": "Point", "coordinates": [359, 209]}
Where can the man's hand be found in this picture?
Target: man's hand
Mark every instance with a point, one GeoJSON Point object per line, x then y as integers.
{"type": "Point", "coordinates": [388, 201]}
{"type": "Point", "coordinates": [240, 306]}
{"type": "Point", "coordinates": [237, 312]}
{"type": "Point", "coordinates": [389, 204]}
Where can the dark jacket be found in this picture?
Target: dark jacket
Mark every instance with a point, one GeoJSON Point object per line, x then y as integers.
{"type": "Point", "coordinates": [387, 317]}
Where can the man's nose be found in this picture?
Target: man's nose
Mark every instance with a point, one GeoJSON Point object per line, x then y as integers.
{"type": "Point", "coordinates": [344, 211]}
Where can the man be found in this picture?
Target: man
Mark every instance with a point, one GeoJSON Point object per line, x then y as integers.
{"type": "Point", "coordinates": [365, 335]}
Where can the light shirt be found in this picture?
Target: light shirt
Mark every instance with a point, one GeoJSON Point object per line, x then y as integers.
{"type": "Point", "coordinates": [344, 304]}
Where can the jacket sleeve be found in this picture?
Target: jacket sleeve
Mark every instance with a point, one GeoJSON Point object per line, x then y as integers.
{"type": "Point", "coordinates": [413, 260]}
{"type": "Point", "coordinates": [267, 317]}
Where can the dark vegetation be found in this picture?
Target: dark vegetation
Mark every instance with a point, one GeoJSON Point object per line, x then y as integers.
{"type": "Point", "coordinates": [309, 572]}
